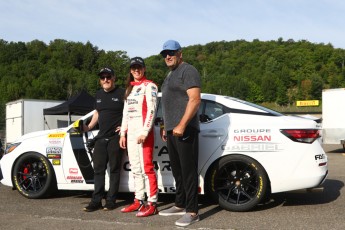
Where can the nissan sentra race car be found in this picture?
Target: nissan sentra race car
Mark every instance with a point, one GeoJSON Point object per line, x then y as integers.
{"type": "Point", "coordinates": [246, 152]}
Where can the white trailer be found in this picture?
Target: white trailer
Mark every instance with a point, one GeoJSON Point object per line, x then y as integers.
{"type": "Point", "coordinates": [25, 116]}
{"type": "Point", "coordinates": [333, 116]}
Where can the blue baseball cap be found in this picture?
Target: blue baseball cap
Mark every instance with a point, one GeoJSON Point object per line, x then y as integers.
{"type": "Point", "coordinates": [171, 45]}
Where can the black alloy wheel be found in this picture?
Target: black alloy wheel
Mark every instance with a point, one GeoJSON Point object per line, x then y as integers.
{"type": "Point", "coordinates": [238, 183]}
{"type": "Point", "coordinates": [33, 176]}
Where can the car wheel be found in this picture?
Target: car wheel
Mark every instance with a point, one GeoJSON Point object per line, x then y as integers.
{"type": "Point", "coordinates": [33, 176]}
{"type": "Point", "coordinates": [238, 183]}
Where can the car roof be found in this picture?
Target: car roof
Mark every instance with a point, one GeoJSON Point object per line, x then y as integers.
{"type": "Point", "coordinates": [238, 104]}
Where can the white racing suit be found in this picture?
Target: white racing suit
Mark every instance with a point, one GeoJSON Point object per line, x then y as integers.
{"type": "Point", "coordinates": [138, 118]}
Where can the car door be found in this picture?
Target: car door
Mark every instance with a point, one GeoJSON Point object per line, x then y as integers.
{"type": "Point", "coordinates": [77, 161]}
{"type": "Point", "coordinates": [161, 157]}
{"type": "Point", "coordinates": [214, 125]}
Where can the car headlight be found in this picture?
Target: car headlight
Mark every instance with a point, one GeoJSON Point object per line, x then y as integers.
{"type": "Point", "coordinates": [11, 147]}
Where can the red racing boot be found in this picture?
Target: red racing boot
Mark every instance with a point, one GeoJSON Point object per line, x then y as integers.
{"type": "Point", "coordinates": [137, 205]}
{"type": "Point", "coordinates": [149, 210]}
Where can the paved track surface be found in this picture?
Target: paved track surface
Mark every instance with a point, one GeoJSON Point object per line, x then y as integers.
{"type": "Point", "coordinates": [322, 209]}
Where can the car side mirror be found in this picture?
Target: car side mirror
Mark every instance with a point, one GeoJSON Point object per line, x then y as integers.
{"type": "Point", "coordinates": [77, 127]}
{"type": "Point", "coordinates": [204, 118]}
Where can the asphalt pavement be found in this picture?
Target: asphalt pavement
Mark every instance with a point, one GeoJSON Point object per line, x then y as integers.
{"type": "Point", "coordinates": [320, 209]}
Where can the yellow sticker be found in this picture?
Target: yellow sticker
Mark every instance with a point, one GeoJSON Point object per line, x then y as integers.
{"type": "Point", "coordinates": [56, 162]}
{"type": "Point", "coordinates": [76, 124]}
{"type": "Point", "coordinates": [56, 135]}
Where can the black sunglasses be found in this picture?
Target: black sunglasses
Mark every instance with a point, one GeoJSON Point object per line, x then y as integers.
{"type": "Point", "coordinates": [171, 53]}
{"type": "Point", "coordinates": [105, 77]}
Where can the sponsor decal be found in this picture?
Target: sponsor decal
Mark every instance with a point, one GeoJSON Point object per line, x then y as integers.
{"type": "Point", "coordinates": [158, 165]}
{"type": "Point", "coordinates": [56, 162]}
{"type": "Point", "coordinates": [150, 119]}
{"type": "Point", "coordinates": [252, 138]}
{"type": "Point", "coordinates": [258, 131]}
{"type": "Point", "coordinates": [73, 171]}
{"type": "Point", "coordinates": [163, 164]}
{"type": "Point", "coordinates": [132, 110]}
{"type": "Point", "coordinates": [308, 103]}
{"type": "Point", "coordinates": [55, 141]}
{"type": "Point", "coordinates": [320, 157]}
{"type": "Point", "coordinates": [252, 135]}
{"type": "Point", "coordinates": [167, 189]}
{"type": "Point", "coordinates": [54, 150]}
{"type": "Point", "coordinates": [54, 156]}
{"type": "Point", "coordinates": [253, 147]}
{"type": "Point", "coordinates": [163, 150]}
{"type": "Point", "coordinates": [74, 177]}
{"type": "Point", "coordinates": [56, 135]}
{"type": "Point", "coordinates": [132, 102]}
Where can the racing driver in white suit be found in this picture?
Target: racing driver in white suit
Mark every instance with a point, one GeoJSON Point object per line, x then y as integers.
{"type": "Point", "coordinates": [138, 136]}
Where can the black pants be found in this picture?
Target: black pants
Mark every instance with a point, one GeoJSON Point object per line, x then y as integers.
{"type": "Point", "coordinates": [107, 150]}
{"type": "Point", "coordinates": [183, 154]}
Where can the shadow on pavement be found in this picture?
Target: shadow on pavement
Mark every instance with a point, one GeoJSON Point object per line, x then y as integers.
{"type": "Point", "coordinates": [331, 192]}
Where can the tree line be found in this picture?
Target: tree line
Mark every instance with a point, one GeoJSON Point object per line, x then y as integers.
{"type": "Point", "coordinates": [258, 71]}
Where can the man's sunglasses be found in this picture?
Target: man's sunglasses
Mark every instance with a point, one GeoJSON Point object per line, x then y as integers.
{"type": "Point", "coordinates": [171, 53]}
{"type": "Point", "coordinates": [105, 77]}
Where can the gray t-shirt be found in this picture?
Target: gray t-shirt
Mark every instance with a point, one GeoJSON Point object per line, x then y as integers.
{"type": "Point", "coordinates": [175, 97]}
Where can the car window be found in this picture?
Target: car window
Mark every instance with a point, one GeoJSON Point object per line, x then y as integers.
{"type": "Point", "coordinates": [159, 112]}
{"type": "Point", "coordinates": [159, 108]}
{"type": "Point", "coordinates": [213, 110]}
{"type": "Point", "coordinates": [210, 110]}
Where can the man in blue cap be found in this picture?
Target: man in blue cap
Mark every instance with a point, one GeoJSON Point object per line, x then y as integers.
{"type": "Point", "coordinates": [180, 103]}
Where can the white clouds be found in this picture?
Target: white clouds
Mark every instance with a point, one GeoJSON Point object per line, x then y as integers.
{"type": "Point", "coordinates": [140, 27]}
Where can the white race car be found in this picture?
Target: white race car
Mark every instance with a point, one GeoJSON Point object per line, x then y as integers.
{"type": "Point", "coordinates": [246, 152]}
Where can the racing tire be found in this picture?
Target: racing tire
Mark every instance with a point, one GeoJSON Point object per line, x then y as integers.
{"type": "Point", "coordinates": [33, 176]}
{"type": "Point", "coordinates": [238, 183]}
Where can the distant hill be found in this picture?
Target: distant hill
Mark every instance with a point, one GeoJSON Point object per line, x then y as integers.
{"type": "Point", "coordinates": [279, 72]}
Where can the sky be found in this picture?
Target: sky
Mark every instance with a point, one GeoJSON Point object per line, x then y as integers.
{"type": "Point", "coordinates": [140, 27]}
